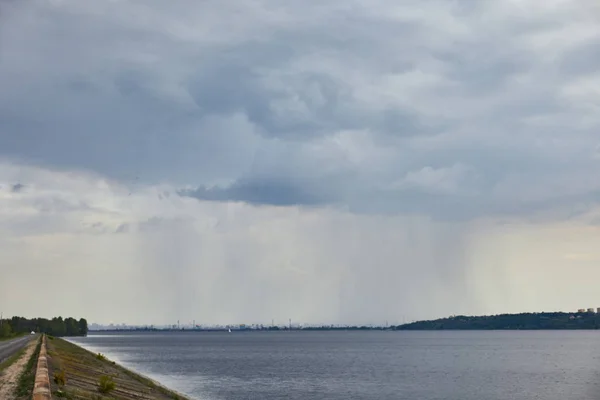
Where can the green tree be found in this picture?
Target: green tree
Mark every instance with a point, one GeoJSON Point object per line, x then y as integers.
{"type": "Point", "coordinates": [83, 327]}
{"type": "Point", "coordinates": [56, 326]}
{"type": "Point", "coordinates": [5, 330]}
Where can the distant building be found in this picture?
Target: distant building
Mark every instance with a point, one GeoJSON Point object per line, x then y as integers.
{"type": "Point", "coordinates": [591, 310]}
{"type": "Point", "coordinates": [581, 310]}
{"type": "Point", "coordinates": [598, 310]}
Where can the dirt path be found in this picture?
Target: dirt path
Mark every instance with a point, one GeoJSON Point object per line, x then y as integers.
{"type": "Point", "coordinates": [9, 377]}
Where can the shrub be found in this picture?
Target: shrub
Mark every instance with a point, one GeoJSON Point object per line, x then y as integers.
{"type": "Point", "coordinates": [106, 384]}
{"type": "Point", "coordinates": [60, 379]}
{"type": "Point", "coordinates": [101, 357]}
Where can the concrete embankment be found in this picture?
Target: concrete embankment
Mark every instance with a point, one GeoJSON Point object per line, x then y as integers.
{"type": "Point", "coordinates": [41, 387]}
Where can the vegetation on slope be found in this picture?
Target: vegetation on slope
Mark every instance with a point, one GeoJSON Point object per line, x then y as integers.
{"type": "Point", "coordinates": [76, 373]}
{"type": "Point", "coordinates": [526, 321]}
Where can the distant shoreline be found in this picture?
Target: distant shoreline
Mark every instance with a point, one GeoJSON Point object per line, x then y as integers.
{"type": "Point", "coordinates": [226, 330]}
{"type": "Point", "coordinates": [522, 321]}
{"type": "Point", "coordinates": [517, 322]}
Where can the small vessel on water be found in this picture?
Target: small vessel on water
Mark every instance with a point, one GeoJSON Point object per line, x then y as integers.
{"type": "Point", "coordinates": [229, 330]}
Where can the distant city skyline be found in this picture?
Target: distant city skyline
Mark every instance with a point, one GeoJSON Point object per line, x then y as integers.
{"type": "Point", "coordinates": [193, 323]}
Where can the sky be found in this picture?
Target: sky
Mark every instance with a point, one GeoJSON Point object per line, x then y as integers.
{"type": "Point", "coordinates": [339, 162]}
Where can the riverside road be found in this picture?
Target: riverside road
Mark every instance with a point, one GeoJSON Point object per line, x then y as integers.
{"type": "Point", "coordinates": [10, 347]}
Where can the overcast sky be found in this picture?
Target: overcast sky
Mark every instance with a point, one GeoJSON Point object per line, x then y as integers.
{"type": "Point", "coordinates": [344, 161]}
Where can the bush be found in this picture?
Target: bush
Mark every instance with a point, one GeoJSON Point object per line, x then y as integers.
{"type": "Point", "coordinates": [60, 379]}
{"type": "Point", "coordinates": [101, 357]}
{"type": "Point", "coordinates": [106, 384]}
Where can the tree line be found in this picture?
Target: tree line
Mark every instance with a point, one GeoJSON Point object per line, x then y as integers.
{"type": "Point", "coordinates": [56, 326]}
{"type": "Point", "coordinates": [524, 321]}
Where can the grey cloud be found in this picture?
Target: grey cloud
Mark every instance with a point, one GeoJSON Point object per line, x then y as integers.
{"type": "Point", "coordinates": [300, 106]}
{"type": "Point", "coordinates": [122, 228]}
{"type": "Point", "coordinates": [17, 187]}
{"type": "Point", "coordinates": [583, 59]}
{"type": "Point", "coordinates": [161, 224]}
{"type": "Point", "coordinates": [255, 112]}
{"type": "Point", "coordinates": [96, 228]}
{"type": "Point", "coordinates": [260, 192]}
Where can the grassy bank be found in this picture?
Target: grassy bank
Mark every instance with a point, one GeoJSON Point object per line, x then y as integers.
{"type": "Point", "coordinates": [5, 338]}
{"type": "Point", "coordinates": [78, 374]}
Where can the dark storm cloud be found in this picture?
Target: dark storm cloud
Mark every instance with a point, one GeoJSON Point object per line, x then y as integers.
{"type": "Point", "coordinates": [364, 105]}
{"type": "Point", "coordinates": [260, 192]}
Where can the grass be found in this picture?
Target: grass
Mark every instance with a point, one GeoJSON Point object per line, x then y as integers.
{"type": "Point", "coordinates": [27, 378]}
{"type": "Point", "coordinates": [60, 378]}
{"type": "Point", "coordinates": [5, 338]}
{"type": "Point", "coordinates": [106, 384]}
{"type": "Point", "coordinates": [150, 383]}
{"type": "Point", "coordinates": [87, 375]}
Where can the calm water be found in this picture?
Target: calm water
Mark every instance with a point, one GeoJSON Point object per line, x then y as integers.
{"type": "Point", "coordinates": [364, 365]}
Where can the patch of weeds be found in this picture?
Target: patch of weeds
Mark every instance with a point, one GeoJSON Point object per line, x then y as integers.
{"type": "Point", "coordinates": [60, 379]}
{"type": "Point", "coordinates": [106, 384]}
{"type": "Point", "coordinates": [101, 357]}
{"type": "Point", "coordinates": [27, 378]}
